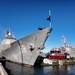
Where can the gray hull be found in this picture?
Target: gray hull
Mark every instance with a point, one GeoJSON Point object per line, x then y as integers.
{"type": "Point", "coordinates": [26, 50]}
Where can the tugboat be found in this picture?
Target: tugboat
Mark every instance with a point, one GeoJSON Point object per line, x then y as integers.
{"type": "Point", "coordinates": [64, 55]}
{"type": "Point", "coordinates": [57, 54]}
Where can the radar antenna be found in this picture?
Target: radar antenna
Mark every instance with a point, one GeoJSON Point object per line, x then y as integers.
{"type": "Point", "coordinates": [8, 34]}
{"type": "Point", "coordinates": [64, 41]}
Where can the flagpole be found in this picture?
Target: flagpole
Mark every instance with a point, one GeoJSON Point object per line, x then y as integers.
{"type": "Point", "coordinates": [50, 17]}
{"type": "Point", "coordinates": [50, 24]}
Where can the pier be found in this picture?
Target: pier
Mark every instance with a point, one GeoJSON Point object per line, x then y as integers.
{"type": "Point", "coordinates": [2, 70]}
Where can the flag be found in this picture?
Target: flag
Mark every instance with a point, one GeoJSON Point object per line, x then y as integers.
{"type": "Point", "coordinates": [49, 18]}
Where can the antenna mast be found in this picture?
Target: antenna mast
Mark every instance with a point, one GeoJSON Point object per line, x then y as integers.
{"type": "Point", "coordinates": [64, 41]}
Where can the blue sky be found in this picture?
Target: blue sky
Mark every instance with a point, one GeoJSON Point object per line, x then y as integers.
{"type": "Point", "coordinates": [24, 17]}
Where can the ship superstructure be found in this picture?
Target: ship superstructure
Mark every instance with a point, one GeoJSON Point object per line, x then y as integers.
{"type": "Point", "coordinates": [26, 49]}
{"type": "Point", "coordinates": [7, 40]}
{"type": "Point", "coordinates": [68, 48]}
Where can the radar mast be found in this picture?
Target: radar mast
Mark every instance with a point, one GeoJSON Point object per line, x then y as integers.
{"type": "Point", "coordinates": [64, 41]}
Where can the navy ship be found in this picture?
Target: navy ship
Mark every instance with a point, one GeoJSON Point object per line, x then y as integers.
{"type": "Point", "coordinates": [25, 50]}
{"type": "Point", "coordinates": [66, 49]}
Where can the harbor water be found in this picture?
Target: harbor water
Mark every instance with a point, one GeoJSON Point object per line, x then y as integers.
{"type": "Point", "coordinates": [16, 69]}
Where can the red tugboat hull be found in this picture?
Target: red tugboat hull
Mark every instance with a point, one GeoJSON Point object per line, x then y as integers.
{"type": "Point", "coordinates": [57, 57]}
